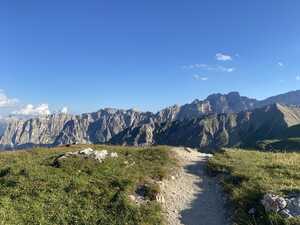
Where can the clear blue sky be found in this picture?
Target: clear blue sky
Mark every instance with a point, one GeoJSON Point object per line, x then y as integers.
{"type": "Point", "coordinates": [146, 54]}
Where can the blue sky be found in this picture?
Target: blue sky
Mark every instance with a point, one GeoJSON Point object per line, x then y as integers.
{"type": "Point", "coordinates": [87, 55]}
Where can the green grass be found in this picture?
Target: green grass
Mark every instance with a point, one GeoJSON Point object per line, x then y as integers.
{"type": "Point", "coordinates": [287, 144]}
{"type": "Point", "coordinates": [80, 192]}
{"type": "Point", "coordinates": [248, 175]}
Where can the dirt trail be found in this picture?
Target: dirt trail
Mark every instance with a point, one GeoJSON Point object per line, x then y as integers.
{"type": "Point", "coordinates": [190, 197]}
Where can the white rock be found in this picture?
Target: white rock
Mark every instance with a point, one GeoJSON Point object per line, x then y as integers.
{"type": "Point", "coordinates": [86, 151]}
{"type": "Point", "coordinates": [160, 198]}
{"type": "Point", "coordinates": [206, 155]}
{"type": "Point", "coordinates": [89, 154]}
{"type": "Point", "coordinates": [273, 203]}
{"type": "Point", "coordinates": [114, 155]}
{"type": "Point", "coordinates": [100, 155]}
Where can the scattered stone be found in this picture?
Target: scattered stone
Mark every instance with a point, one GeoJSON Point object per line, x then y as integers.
{"type": "Point", "coordinates": [87, 153]}
{"type": "Point", "coordinates": [160, 199]}
{"type": "Point", "coordinates": [273, 203]}
{"type": "Point", "coordinates": [206, 155]}
{"type": "Point", "coordinates": [252, 211]}
{"type": "Point", "coordinates": [287, 207]}
{"type": "Point", "coordinates": [114, 155]}
{"type": "Point", "coordinates": [132, 198]}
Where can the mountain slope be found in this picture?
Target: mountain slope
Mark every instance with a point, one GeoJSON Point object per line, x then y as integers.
{"type": "Point", "coordinates": [217, 130]}
{"type": "Point", "coordinates": [289, 98]}
{"type": "Point", "coordinates": [219, 120]}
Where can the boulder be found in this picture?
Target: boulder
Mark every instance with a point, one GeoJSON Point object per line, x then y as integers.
{"type": "Point", "coordinates": [87, 151]}
{"type": "Point", "coordinates": [273, 203]}
{"type": "Point", "coordinates": [287, 207]}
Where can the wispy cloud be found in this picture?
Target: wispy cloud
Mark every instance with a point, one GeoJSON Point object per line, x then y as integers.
{"type": "Point", "coordinates": [199, 77]}
{"type": "Point", "coordinates": [223, 57]}
{"type": "Point", "coordinates": [195, 66]}
{"type": "Point", "coordinates": [5, 101]}
{"type": "Point", "coordinates": [30, 110]}
{"type": "Point", "coordinates": [225, 69]}
{"type": "Point", "coordinates": [281, 64]}
{"type": "Point", "coordinates": [209, 68]}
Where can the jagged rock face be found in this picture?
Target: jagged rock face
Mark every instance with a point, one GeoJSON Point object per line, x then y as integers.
{"type": "Point", "coordinates": [101, 126]}
{"type": "Point", "coordinates": [207, 132]}
{"type": "Point", "coordinates": [37, 131]}
{"type": "Point", "coordinates": [142, 135]}
{"type": "Point", "coordinates": [216, 103]}
{"type": "Point", "coordinates": [231, 102]}
{"type": "Point", "coordinates": [60, 129]}
{"type": "Point", "coordinates": [219, 120]}
{"type": "Point", "coordinates": [217, 130]}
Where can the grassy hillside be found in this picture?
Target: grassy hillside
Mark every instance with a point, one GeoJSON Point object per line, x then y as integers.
{"type": "Point", "coordinates": [289, 140]}
{"type": "Point", "coordinates": [80, 191]}
{"type": "Point", "coordinates": [287, 144]}
{"type": "Point", "coordinates": [248, 175]}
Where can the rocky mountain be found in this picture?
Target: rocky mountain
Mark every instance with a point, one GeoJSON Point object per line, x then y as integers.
{"type": "Point", "coordinates": [216, 130]}
{"type": "Point", "coordinates": [58, 129]}
{"type": "Point", "coordinates": [215, 103]}
{"type": "Point", "coordinates": [36, 131]}
{"type": "Point", "coordinates": [101, 126]}
{"type": "Point", "coordinates": [289, 98]}
{"type": "Point", "coordinates": [219, 120]}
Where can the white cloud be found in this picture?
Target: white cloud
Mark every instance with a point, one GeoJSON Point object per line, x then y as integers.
{"type": "Point", "coordinates": [198, 77]}
{"type": "Point", "coordinates": [30, 110]}
{"type": "Point", "coordinates": [210, 68]}
{"type": "Point", "coordinates": [64, 110]}
{"type": "Point", "coordinates": [226, 69]}
{"type": "Point", "coordinates": [281, 64]}
{"type": "Point", "coordinates": [223, 57]}
{"type": "Point", "coordinates": [297, 77]}
{"type": "Point", "coordinates": [195, 66]}
{"type": "Point", "coordinates": [5, 101]}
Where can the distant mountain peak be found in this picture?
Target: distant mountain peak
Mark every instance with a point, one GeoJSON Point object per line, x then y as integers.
{"type": "Point", "coordinates": [220, 118]}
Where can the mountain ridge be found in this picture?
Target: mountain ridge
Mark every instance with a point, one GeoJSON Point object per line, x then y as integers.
{"type": "Point", "coordinates": [119, 126]}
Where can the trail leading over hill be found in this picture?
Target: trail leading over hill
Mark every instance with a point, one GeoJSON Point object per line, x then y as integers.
{"type": "Point", "coordinates": [191, 197]}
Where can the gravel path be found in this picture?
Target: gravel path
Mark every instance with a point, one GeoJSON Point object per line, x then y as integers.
{"type": "Point", "coordinates": [190, 197]}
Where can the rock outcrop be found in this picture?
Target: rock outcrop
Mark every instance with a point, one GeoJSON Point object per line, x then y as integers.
{"type": "Point", "coordinates": [87, 153]}
{"type": "Point", "coordinates": [288, 206]}
{"type": "Point", "coordinates": [36, 131]}
{"type": "Point", "coordinates": [216, 130]}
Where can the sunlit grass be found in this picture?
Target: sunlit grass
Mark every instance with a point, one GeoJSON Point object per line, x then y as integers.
{"type": "Point", "coordinates": [81, 191]}
{"type": "Point", "coordinates": [248, 175]}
